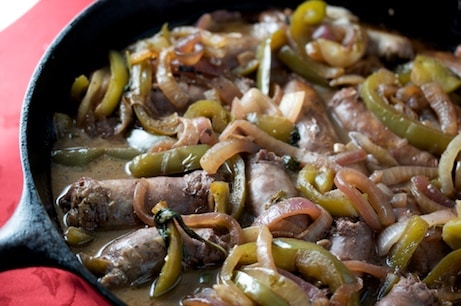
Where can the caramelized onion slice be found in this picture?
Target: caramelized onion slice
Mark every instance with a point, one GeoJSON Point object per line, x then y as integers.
{"type": "Point", "coordinates": [223, 150]}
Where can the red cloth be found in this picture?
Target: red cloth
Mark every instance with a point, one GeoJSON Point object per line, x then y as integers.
{"type": "Point", "coordinates": [22, 45]}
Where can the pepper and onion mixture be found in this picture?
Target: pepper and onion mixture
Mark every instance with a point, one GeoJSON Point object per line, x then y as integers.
{"type": "Point", "coordinates": [289, 157]}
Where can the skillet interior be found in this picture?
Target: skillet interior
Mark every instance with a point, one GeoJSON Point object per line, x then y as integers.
{"type": "Point", "coordinates": [33, 236]}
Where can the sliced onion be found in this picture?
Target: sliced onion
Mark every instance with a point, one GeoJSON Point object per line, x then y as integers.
{"type": "Point", "coordinates": [208, 38]}
{"type": "Point", "coordinates": [389, 236]}
{"type": "Point", "coordinates": [139, 200]}
{"type": "Point", "coordinates": [216, 220]}
{"type": "Point", "coordinates": [166, 81]}
{"type": "Point", "coordinates": [350, 157]}
{"type": "Point", "coordinates": [381, 154]}
{"type": "Point", "coordinates": [377, 212]}
{"type": "Point", "coordinates": [279, 284]}
{"type": "Point", "coordinates": [320, 226]}
{"type": "Point", "coordinates": [223, 150]}
{"type": "Point", "coordinates": [346, 53]}
{"type": "Point", "coordinates": [205, 296]}
{"type": "Point", "coordinates": [226, 288]}
{"type": "Point", "coordinates": [285, 209]}
{"type": "Point", "coordinates": [347, 79]}
{"type": "Point", "coordinates": [189, 49]}
{"type": "Point", "coordinates": [245, 128]}
{"type": "Point", "coordinates": [188, 133]}
{"type": "Point", "coordinates": [439, 217]}
{"type": "Point", "coordinates": [400, 174]}
{"type": "Point", "coordinates": [379, 272]}
{"type": "Point", "coordinates": [254, 101]}
{"type": "Point", "coordinates": [420, 188]}
{"type": "Point", "coordinates": [264, 249]}
{"type": "Point", "coordinates": [446, 163]}
{"type": "Point", "coordinates": [291, 105]}
{"type": "Point", "coordinates": [205, 129]}
{"type": "Point", "coordinates": [442, 105]}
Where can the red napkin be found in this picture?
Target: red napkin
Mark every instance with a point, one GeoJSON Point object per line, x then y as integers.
{"type": "Point", "coordinates": [21, 46]}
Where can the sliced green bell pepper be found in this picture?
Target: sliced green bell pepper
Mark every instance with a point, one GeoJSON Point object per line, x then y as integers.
{"type": "Point", "coordinates": [171, 161]}
{"type": "Point", "coordinates": [219, 191]}
{"type": "Point", "coordinates": [81, 156]}
{"type": "Point", "coordinates": [427, 69]}
{"type": "Point", "coordinates": [417, 134]}
{"type": "Point", "coordinates": [213, 110]}
{"type": "Point", "coordinates": [451, 233]}
{"type": "Point", "coordinates": [264, 55]}
{"type": "Point", "coordinates": [118, 79]}
{"type": "Point", "coordinates": [278, 127]}
{"type": "Point", "coordinates": [305, 16]}
{"type": "Point", "coordinates": [172, 268]}
{"type": "Point", "coordinates": [307, 258]}
{"type": "Point", "coordinates": [413, 234]}
{"type": "Point", "coordinates": [305, 67]}
{"type": "Point", "coordinates": [79, 88]}
{"type": "Point", "coordinates": [310, 180]}
{"type": "Point", "coordinates": [237, 195]}
{"type": "Point", "coordinates": [257, 291]}
{"type": "Point", "coordinates": [449, 266]}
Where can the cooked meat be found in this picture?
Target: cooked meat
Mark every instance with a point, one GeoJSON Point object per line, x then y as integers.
{"type": "Point", "coordinates": [92, 204]}
{"type": "Point", "coordinates": [267, 177]}
{"type": "Point", "coordinates": [409, 291]}
{"type": "Point", "coordinates": [138, 257]}
{"type": "Point", "coordinates": [315, 129]}
{"type": "Point", "coordinates": [353, 115]}
{"type": "Point", "coordinates": [132, 259]}
{"type": "Point", "coordinates": [199, 254]}
{"type": "Point", "coordinates": [108, 204]}
{"type": "Point", "coordinates": [389, 45]}
{"type": "Point", "coordinates": [347, 236]}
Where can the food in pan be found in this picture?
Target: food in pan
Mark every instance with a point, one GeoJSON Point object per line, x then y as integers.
{"type": "Point", "coordinates": [285, 157]}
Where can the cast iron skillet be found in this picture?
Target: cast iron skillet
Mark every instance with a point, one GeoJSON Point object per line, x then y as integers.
{"type": "Point", "coordinates": [32, 237]}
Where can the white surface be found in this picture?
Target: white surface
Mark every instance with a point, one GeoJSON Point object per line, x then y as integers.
{"type": "Point", "coordinates": [12, 10]}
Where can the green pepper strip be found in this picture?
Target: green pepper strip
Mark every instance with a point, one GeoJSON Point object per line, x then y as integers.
{"type": "Point", "coordinates": [77, 237]}
{"type": "Point", "coordinates": [278, 127]}
{"type": "Point", "coordinates": [140, 89]}
{"type": "Point", "coordinates": [310, 259]}
{"type": "Point", "coordinates": [163, 126]}
{"type": "Point", "coordinates": [448, 267]}
{"type": "Point", "coordinates": [118, 80]}
{"type": "Point", "coordinates": [336, 204]}
{"type": "Point", "coordinates": [86, 105]}
{"type": "Point", "coordinates": [413, 234]}
{"type": "Point", "coordinates": [213, 110]}
{"type": "Point", "coordinates": [264, 54]}
{"type": "Point", "coordinates": [257, 291]}
{"type": "Point", "coordinates": [125, 153]}
{"type": "Point", "coordinates": [451, 233]}
{"type": "Point", "coordinates": [427, 69]}
{"type": "Point", "coordinates": [416, 133]}
{"type": "Point", "coordinates": [81, 156]}
{"type": "Point", "coordinates": [306, 15]}
{"type": "Point", "coordinates": [305, 67]}
{"type": "Point", "coordinates": [76, 156]}
{"type": "Point", "coordinates": [79, 88]}
{"type": "Point", "coordinates": [238, 187]}
{"type": "Point", "coordinates": [171, 161]}
{"type": "Point", "coordinates": [219, 191]}
{"type": "Point", "coordinates": [171, 269]}
{"type": "Point", "coordinates": [140, 81]}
